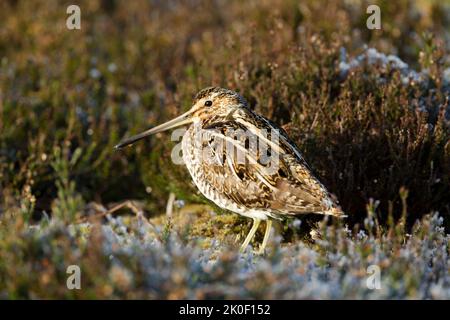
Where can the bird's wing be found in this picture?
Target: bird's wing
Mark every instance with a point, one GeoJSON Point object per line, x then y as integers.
{"type": "Point", "coordinates": [276, 179]}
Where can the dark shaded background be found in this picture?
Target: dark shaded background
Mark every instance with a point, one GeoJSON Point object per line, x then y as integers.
{"type": "Point", "coordinates": [67, 97]}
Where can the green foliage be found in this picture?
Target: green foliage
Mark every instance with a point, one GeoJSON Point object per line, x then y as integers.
{"type": "Point", "coordinates": [68, 202]}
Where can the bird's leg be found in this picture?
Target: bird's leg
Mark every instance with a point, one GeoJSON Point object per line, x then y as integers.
{"type": "Point", "coordinates": [266, 236]}
{"type": "Point", "coordinates": [250, 234]}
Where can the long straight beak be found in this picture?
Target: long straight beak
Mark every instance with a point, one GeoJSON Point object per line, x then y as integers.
{"type": "Point", "coordinates": [178, 121]}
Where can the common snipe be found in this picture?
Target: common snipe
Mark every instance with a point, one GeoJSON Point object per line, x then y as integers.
{"type": "Point", "coordinates": [264, 180]}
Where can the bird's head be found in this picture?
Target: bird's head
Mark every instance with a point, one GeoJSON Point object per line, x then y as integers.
{"type": "Point", "coordinates": [211, 102]}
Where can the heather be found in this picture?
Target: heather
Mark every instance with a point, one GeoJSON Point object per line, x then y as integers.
{"type": "Point", "coordinates": [368, 108]}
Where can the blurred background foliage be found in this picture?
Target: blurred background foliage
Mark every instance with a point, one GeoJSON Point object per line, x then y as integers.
{"type": "Point", "coordinates": [67, 97]}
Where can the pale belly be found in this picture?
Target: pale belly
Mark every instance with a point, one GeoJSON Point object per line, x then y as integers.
{"type": "Point", "coordinates": [196, 167]}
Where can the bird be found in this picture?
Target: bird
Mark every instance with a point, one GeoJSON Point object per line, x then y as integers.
{"type": "Point", "coordinates": [245, 163]}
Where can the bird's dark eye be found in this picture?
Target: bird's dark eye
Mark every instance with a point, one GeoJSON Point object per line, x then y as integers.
{"type": "Point", "coordinates": [208, 103]}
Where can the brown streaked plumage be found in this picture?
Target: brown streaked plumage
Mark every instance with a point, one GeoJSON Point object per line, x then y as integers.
{"type": "Point", "coordinates": [231, 170]}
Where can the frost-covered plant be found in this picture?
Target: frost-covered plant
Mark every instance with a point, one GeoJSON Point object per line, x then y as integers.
{"type": "Point", "coordinates": [132, 260]}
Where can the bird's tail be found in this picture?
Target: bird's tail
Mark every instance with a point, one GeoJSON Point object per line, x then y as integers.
{"type": "Point", "coordinates": [336, 212]}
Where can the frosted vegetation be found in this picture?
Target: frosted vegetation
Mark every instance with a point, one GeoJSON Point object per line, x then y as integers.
{"type": "Point", "coordinates": [139, 260]}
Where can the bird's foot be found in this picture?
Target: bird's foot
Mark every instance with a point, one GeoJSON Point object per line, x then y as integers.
{"type": "Point", "coordinates": [261, 252]}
